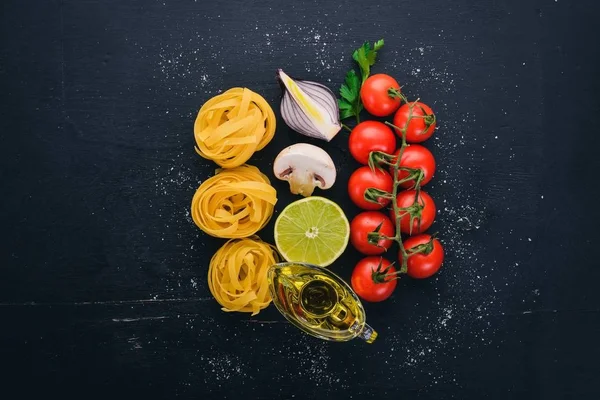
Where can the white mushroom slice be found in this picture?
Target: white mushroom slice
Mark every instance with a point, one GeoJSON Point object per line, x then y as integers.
{"type": "Point", "coordinates": [305, 166]}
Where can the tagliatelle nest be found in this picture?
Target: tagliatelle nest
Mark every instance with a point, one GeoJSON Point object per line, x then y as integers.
{"type": "Point", "coordinates": [230, 127]}
{"type": "Point", "coordinates": [235, 203]}
{"type": "Point", "coordinates": [237, 276]}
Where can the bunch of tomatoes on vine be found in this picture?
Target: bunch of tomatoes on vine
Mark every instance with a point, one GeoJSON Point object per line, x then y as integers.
{"type": "Point", "coordinates": [392, 177]}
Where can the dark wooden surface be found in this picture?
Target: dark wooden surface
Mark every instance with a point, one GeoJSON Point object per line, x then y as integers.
{"type": "Point", "coordinates": [103, 287]}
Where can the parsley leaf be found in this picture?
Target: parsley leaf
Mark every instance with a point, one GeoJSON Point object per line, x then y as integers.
{"type": "Point", "coordinates": [365, 56]}
{"type": "Point", "coordinates": [350, 104]}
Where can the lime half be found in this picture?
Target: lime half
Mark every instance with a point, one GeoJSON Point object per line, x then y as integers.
{"type": "Point", "coordinates": [313, 230]}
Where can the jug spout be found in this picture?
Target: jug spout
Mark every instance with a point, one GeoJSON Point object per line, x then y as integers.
{"type": "Point", "coordinates": [367, 334]}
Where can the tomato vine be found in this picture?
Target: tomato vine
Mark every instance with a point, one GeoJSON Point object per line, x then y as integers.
{"type": "Point", "coordinates": [376, 160]}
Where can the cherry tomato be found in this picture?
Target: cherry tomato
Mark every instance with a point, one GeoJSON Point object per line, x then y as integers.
{"type": "Point", "coordinates": [367, 222]}
{"type": "Point", "coordinates": [422, 124]}
{"type": "Point", "coordinates": [423, 265]}
{"type": "Point", "coordinates": [364, 178]}
{"type": "Point", "coordinates": [370, 285]}
{"type": "Point", "coordinates": [370, 136]}
{"type": "Point", "coordinates": [375, 96]}
{"type": "Point", "coordinates": [406, 199]}
{"type": "Point", "coordinates": [415, 156]}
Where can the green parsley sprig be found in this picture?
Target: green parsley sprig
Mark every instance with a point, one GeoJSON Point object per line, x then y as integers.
{"type": "Point", "coordinates": [349, 101]}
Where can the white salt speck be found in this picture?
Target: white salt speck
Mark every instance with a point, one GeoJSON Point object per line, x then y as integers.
{"type": "Point", "coordinates": [447, 316]}
{"type": "Point", "coordinates": [223, 368]}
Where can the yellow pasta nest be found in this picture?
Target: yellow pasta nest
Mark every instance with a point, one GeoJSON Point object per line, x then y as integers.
{"type": "Point", "coordinates": [230, 127]}
{"type": "Point", "coordinates": [235, 203]}
{"type": "Point", "coordinates": [237, 276]}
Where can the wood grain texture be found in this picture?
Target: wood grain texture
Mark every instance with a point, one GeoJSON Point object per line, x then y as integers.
{"type": "Point", "coordinates": [103, 288]}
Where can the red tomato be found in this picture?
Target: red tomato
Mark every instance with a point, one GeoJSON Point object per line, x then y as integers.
{"type": "Point", "coordinates": [415, 156]}
{"type": "Point", "coordinates": [427, 212]}
{"type": "Point", "coordinates": [375, 96]}
{"type": "Point", "coordinates": [423, 265]}
{"type": "Point", "coordinates": [367, 222]}
{"type": "Point", "coordinates": [368, 283]}
{"type": "Point", "coordinates": [362, 179]}
{"type": "Point", "coordinates": [420, 128]}
{"type": "Point", "coordinates": [370, 136]}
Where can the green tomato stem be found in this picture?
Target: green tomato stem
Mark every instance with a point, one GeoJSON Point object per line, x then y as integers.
{"type": "Point", "coordinates": [398, 237]}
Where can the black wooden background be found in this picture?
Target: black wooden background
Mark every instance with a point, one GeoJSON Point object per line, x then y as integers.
{"type": "Point", "coordinates": [103, 274]}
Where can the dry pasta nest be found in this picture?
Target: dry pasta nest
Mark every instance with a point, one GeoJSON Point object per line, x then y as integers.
{"type": "Point", "coordinates": [237, 276]}
{"type": "Point", "coordinates": [230, 127]}
{"type": "Point", "coordinates": [235, 203]}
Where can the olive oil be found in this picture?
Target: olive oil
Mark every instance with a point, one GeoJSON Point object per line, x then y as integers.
{"type": "Point", "coordinates": [318, 302]}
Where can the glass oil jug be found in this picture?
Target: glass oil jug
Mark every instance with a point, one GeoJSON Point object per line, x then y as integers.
{"type": "Point", "coordinates": [318, 302]}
